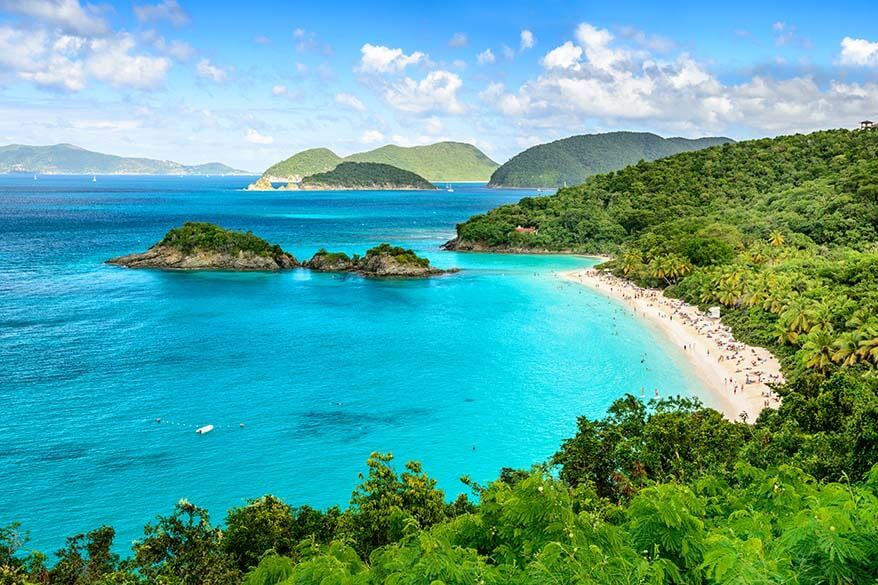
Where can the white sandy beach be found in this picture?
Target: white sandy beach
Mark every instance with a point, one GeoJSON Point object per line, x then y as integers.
{"type": "Point", "coordinates": [735, 373]}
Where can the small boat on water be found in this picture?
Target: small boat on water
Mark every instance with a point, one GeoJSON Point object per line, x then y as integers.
{"type": "Point", "coordinates": [204, 430]}
{"type": "Point", "coordinates": [94, 179]}
{"type": "Point", "coordinates": [449, 188]}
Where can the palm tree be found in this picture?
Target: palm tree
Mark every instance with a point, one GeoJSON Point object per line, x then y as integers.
{"type": "Point", "coordinates": [776, 239]}
{"type": "Point", "coordinates": [817, 350]}
{"type": "Point", "coordinates": [868, 349]}
{"type": "Point", "coordinates": [847, 348]}
{"type": "Point", "coordinates": [632, 261]}
{"type": "Point", "coordinates": [669, 268]}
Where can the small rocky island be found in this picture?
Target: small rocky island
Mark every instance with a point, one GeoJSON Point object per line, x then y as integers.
{"type": "Point", "coordinates": [205, 246]}
{"type": "Point", "coordinates": [383, 260]}
{"type": "Point", "coordinates": [353, 176]}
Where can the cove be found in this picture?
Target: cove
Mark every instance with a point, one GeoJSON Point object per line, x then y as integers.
{"type": "Point", "coordinates": [467, 373]}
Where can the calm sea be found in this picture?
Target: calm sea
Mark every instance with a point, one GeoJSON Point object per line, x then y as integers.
{"type": "Point", "coordinates": [467, 373]}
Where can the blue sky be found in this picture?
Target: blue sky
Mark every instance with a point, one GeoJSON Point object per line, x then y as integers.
{"type": "Point", "coordinates": [251, 83]}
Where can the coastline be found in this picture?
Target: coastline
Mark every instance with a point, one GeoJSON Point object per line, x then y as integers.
{"type": "Point", "coordinates": [733, 372]}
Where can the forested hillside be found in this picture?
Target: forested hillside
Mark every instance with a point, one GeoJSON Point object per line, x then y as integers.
{"type": "Point", "coordinates": [443, 161]}
{"type": "Point", "coordinates": [572, 160]}
{"type": "Point", "coordinates": [302, 164]}
{"type": "Point", "coordinates": [351, 175]}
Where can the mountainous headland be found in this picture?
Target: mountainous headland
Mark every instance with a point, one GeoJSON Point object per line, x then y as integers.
{"type": "Point", "coordinates": [572, 160]}
{"type": "Point", "coordinates": [440, 162]}
{"type": "Point", "coordinates": [67, 159]}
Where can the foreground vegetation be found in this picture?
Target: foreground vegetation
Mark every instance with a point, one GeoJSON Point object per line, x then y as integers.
{"type": "Point", "coordinates": [782, 233]}
{"type": "Point", "coordinates": [672, 493]}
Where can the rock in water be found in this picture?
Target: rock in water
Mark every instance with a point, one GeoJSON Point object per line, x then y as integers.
{"type": "Point", "coordinates": [383, 261]}
{"type": "Point", "coordinates": [261, 184]}
{"type": "Point", "coordinates": [204, 246]}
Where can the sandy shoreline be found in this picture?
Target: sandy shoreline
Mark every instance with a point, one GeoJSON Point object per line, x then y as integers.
{"type": "Point", "coordinates": [735, 373]}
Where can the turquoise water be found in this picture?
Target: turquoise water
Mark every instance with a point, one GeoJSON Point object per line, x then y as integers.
{"type": "Point", "coordinates": [467, 373]}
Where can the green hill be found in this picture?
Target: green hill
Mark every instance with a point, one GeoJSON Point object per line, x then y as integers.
{"type": "Point", "coordinates": [67, 159]}
{"type": "Point", "coordinates": [351, 175]}
{"type": "Point", "coordinates": [796, 183]}
{"type": "Point", "coordinates": [302, 164]}
{"type": "Point", "coordinates": [443, 161]}
{"type": "Point", "coordinates": [571, 160]}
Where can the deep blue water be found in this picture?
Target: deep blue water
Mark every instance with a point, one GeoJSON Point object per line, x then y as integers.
{"type": "Point", "coordinates": [467, 373]}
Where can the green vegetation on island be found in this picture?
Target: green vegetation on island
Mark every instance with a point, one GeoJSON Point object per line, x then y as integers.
{"type": "Point", "coordinates": [200, 235]}
{"type": "Point", "coordinates": [572, 160]}
{"type": "Point", "coordinates": [305, 163]}
{"type": "Point", "coordinates": [351, 175]}
{"type": "Point", "coordinates": [205, 246]}
{"type": "Point", "coordinates": [382, 260]}
{"type": "Point", "coordinates": [73, 160]}
{"type": "Point", "coordinates": [443, 161]}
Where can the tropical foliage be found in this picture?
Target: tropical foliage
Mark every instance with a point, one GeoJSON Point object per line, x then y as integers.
{"type": "Point", "coordinates": [194, 235]}
{"type": "Point", "coordinates": [572, 160]}
{"type": "Point", "coordinates": [351, 175]}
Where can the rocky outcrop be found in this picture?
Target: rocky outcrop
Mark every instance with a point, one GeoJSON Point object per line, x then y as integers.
{"type": "Point", "coordinates": [383, 261]}
{"type": "Point", "coordinates": [205, 246]}
{"type": "Point", "coordinates": [169, 258]}
{"type": "Point", "coordinates": [261, 184]}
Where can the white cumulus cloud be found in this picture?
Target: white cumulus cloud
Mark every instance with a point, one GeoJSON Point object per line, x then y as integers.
{"type": "Point", "coordinates": [595, 78]}
{"type": "Point", "coordinates": [528, 40]}
{"type": "Point", "coordinates": [567, 56]}
{"type": "Point", "coordinates": [69, 15]}
{"type": "Point", "coordinates": [381, 59]}
{"type": "Point", "coordinates": [436, 92]}
{"type": "Point", "coordinates": [859, 52]}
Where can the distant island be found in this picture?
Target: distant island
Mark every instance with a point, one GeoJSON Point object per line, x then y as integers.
{"type": "Point", "coordinates": [205, 246]}
{"type": "Point", "coordinates": [572, 160]}
{"type": "Point", "coordinates": [381, 261]}
{"type": "Point", "coordinates": [440, 162]}
{"type": "Point", "coordinates": [351, 176]}
{"type": "Point", "coordinates": [68, 159]}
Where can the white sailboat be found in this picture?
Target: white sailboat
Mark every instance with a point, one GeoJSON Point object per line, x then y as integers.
{"type": "Point", "coordinates": [94, 179]}
{"type": "Point", "coordinates": [449, 188]}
